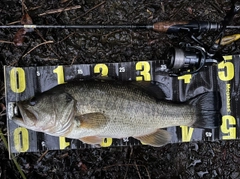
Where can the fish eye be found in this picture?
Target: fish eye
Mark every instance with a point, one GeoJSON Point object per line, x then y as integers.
{"type": "Point", "coordinates": [33, 101]}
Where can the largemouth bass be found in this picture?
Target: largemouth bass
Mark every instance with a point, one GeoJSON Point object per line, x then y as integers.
{"type": "Point", "coordinates": [90, 111]}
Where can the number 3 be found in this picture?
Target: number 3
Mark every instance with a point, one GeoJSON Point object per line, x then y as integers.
{"type": "Point", "coordinates": [144, 68]}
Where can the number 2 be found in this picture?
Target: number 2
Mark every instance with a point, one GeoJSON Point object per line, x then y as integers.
{"type": "Point", "coordinates": [101, 68]}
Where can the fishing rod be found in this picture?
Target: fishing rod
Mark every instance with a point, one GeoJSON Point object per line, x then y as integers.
{"type": "Point", "coordinates": [185, 60]}
{"type": "Point", "coordinates": [191, 59]}
{"type": "Point", "coordinates": [180, 61]}
{"type": "Point", "coordinates": [165, 26]}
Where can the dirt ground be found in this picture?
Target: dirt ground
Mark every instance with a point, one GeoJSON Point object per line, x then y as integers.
{"type": "Point", "coordinates": [220, 159]}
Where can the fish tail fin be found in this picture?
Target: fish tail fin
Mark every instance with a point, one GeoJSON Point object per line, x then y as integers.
{"type": "Point", "coordinates": [208, 114]}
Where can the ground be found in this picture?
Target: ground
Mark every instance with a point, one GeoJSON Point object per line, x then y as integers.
{"type": "Point", "coordinates": [218, 159]}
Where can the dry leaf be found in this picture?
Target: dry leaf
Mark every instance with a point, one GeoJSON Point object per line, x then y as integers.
{"type": "Point", "coordinates": [19, 37]}
{"type": "Point", "coordinates": [2, 107]}
{"type": "Point", "coordinates": [26, 20]}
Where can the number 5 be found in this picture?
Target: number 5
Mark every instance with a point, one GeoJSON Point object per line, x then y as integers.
{"type": "Point", "coordinates": [226, 69]}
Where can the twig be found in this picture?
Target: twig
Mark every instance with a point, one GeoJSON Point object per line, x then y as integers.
{"type": "Point", "coordinates": [216, 6]}
{"type": "Point", "coordinates": [115, 165]}
{"type": "Point", "coordinates": [66, 37]}
{"type": "Point", "coordinates": [40, 35]}
{"type": "Point", "coordinates": [42, 156]}
{"type": "Point", "coordinates": [63, 1]}
{"type": "Point", "coordinates": [134, 165]}
{"type": "Point", "coordinates": [90, 10]}
{"type": "Point", "coordinates": [2, 114]}
{"type": "Point", "coordinates": [3, 109]}
{"type": "Point", "coordinates": [12, 156]}
{"type": "Point", "coordinates": [34, 8]}
{"type": "Point", "coordinates": [24, 7]}
{"type": "Point", "coordinates": [8, 42]}
{"type": "Point", "coordinates": [184, 4]}
{"type": "Point", "coordinates": [147, 172]}
{"type": "Point", "coordinates": [53, 11]}
{"type": "Point", "coordinates": [64, 155]}
{"type": "Point", "coordinates": [13, 63]}
{"type": "Point", "coordinates": [47, 42]}
{"type": "Point", "coordinates": [125, 176]}
{"type": "Point", "coordinates": [15, 22]}
{"type": "Point", "coordinates": [73, 60]}
{"type": "Point", "coordinates": [64, 8]}
{"type": "Point", "coordinates": [104, 37]}
{"type": "Point", "coordinates": [163, 7]}
{"type": "Point", "coordinates": [137, 170]}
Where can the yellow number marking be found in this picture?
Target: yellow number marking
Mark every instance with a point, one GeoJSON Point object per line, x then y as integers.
{"type": "Point", "coordinates": [106, 142]}
{"type": "Point", "coordinates": [21, 139]}
{"type": "Point", "coordinates": [101, 68]}
{"type": "Point", "coordinates": [228, 131]}
{"type": "Point", "coordinates": [17, 80]}
{"type": "Point", "coordinates": [186, 133]}
{"type": "Point", "coordinates": [60, 74]}
{"type": "Point", "coordinates": [226, 69]}
{"type": "Point", "coordinates": [62, 143]}
{"type": "Point", "coordinates": [186, 78]}
{"type": "Point", "coordinates": [143, 143]}
{"type": "Point", "coordinates": [144, 68]}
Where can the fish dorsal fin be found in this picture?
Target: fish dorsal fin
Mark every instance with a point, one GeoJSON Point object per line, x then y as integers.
{"type": "Point", "coordinates": [92, 120]}
{"type": "Point", "coordinates": [156, 139]}
{"type": "Point", "coordinates": [91, 140]}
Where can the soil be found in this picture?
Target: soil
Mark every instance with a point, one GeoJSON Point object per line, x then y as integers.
{"type": "Point", "coordinates": [218, 159]}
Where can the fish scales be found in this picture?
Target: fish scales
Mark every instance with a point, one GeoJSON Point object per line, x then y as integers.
{"type": "Point", "coordinates": [93, 110]}
{"type": "Point", "coordinates": [129, 109]}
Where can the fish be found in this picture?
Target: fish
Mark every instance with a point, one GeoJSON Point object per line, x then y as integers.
{"type": "Point", "coordinates": [93, 110]}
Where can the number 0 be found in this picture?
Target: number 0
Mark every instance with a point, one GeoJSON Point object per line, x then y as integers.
{"type": "Point", "coordinates": [17, 80]}
{"type": "Point", "coordinates": [106, 142]}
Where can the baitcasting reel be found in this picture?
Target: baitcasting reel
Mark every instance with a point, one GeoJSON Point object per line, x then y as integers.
{"type": "Point", "coordinates": [189, 60]}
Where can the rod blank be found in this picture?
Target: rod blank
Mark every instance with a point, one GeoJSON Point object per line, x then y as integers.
{"type": "Point", "coordinates": [165, 26]}
{"type": "Point", "coordinates": [127, 26]}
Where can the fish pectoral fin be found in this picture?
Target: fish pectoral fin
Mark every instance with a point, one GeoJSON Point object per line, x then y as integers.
{"type": "Point", "coordinates": [92, 120]}
{"type": "Point", "coordinates": [156, 139]}
{"type": "Point", "coordinates": [92, 140]}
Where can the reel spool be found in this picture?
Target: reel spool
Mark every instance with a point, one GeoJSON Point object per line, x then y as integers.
{"type": "Point", "coordinates": [187, 61]}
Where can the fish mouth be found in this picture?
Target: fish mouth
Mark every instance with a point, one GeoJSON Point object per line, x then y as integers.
{"type": "Point", "coordinates": [17, 114]}
{"type": "Point", "coordinates": [23, 117]}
